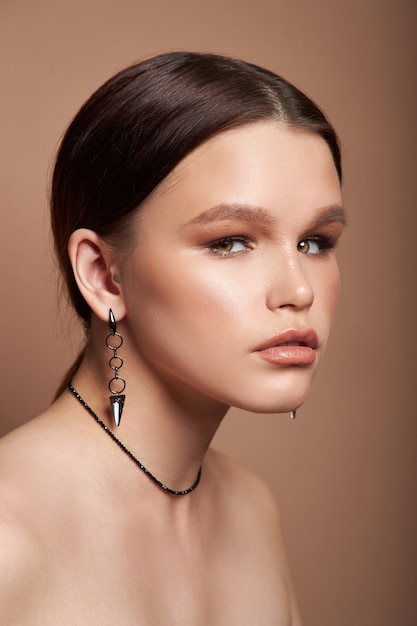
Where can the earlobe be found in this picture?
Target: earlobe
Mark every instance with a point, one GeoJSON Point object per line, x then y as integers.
{"type": "Point", "coordinates": [91, 263]}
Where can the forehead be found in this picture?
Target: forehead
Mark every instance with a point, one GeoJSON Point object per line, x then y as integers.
{"type": "Point", "coordinates": [262, 164]}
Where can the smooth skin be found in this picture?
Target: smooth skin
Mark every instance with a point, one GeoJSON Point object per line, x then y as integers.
{"type": "Point", "coordinates": [233, 248]}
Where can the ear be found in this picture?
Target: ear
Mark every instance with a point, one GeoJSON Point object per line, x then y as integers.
{"type": "Point", "coordinates": [96, 273]}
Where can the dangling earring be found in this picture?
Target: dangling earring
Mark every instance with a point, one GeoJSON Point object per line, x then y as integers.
{"type": "Point", "coordinates": [293, 414]}
{"type": "Point", "coordinates": [114, 341]}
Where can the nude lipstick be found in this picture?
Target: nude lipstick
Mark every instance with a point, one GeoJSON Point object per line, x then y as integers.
{"type": "Point", "coordinates": [292, 347]}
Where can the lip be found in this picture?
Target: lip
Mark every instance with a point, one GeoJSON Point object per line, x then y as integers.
{"type": "Point", "coordinates": [296, 346]}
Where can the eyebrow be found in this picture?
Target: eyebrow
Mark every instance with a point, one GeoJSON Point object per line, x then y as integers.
{"type": "Point", "coordinates": [246, 213]}
{"type": "Point", "coordinates": [240, 212]}
{"type": "Point", "coordinates": [329, 215]}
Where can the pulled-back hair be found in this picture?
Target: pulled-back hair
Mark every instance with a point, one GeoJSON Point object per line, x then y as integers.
{"type": "Point", "coordinates": [138, 126]}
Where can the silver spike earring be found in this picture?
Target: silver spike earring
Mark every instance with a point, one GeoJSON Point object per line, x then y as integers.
{"type": "Point", "coordinates": [114, 341]}
{"type": "Point", "coordinates": [293, 414]}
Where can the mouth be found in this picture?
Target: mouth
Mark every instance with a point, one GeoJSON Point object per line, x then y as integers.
{"type": "Point", "coordinates": [292, 347]}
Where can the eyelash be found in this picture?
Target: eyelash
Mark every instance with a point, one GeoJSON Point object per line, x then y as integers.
{"type": "Point", "coordinates": [225, 240]}
{"type": "Point", "coordinates": [325, 243]}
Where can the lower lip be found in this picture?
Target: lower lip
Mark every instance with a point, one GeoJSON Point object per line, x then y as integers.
{"type": "Point", "coordinates": [288, 355]}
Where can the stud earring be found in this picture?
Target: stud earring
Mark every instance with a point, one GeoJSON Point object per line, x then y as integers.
{"type": "Point", "coordinates": [114, 341]}
{"type": "Point", "coordinates": [293, 414]}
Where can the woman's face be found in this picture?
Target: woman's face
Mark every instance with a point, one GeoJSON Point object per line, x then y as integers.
{"type": "Point", "coordinates": [233, 281]}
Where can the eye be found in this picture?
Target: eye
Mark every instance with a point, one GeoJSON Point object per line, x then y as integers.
{"type": "Point", "coordinates": [309, 246]}
{"type": "Point", "coordinates": [317, 245]}
{"type": "Point", "coordinates": [229, 246]}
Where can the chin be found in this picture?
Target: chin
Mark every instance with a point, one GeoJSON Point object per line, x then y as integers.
{"type": "Point", "coordinates": [280, 393]}
{"type": "Point", "coordinates": [272, 401]}
{"type": "Point", "coordinates": [268, 408]}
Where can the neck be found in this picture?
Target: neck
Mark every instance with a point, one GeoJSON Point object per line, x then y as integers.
{"type": "Point", "coordinates": [168, 428]}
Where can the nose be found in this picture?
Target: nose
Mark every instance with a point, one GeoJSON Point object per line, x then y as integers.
{"type": "Point", "coordinates": [290, 285]}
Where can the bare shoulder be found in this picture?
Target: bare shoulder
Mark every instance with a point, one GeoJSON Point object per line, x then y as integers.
{"type": "Point", "coordinates": [19, 556]}
{"type": "Point", "coordinates": [25, 454]}
{"type": "Point", "coordinates": [19, 567]}
{"type": "Point", "coordinates": [255, 521]}
{"type": "Point", "coordinates": [246, 501]}
{"type": "Point", "coordinates": [29, 465]}
{"type": "Point", "coordinates": [28, 499]}
{"type": "Point", "coordinates": [245, 486]}
{"type": "Point", "coordinates": [23, 466]}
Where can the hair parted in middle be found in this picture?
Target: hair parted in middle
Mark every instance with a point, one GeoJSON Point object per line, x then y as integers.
{"type": "Point", "coordinates": [141, 123]}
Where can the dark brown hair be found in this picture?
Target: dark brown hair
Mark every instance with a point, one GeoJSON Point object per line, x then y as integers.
{"type": "Point", "coordinates": [137, 127]}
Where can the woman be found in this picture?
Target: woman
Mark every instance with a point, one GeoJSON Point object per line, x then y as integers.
{"type": "Point", "coordinates": [196, 206]}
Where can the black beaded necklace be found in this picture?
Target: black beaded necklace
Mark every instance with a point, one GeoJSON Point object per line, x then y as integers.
{"type": "Point", "coordinates": [171, 492]}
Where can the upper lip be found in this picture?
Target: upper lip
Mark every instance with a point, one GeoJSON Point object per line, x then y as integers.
{"type": "Point", "coordinates": [296, 336]}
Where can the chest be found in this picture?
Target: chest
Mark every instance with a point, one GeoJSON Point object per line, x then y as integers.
{"type": "Point", "coordinates": [159, 583]}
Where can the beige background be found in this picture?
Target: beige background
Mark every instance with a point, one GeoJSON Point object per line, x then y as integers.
{"type": "Point", "coordinates": [345, 470]}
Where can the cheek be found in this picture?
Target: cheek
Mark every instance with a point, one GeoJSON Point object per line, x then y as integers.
{"type": "Point", "coordinates": [190, 322]}
{"type": "Point", "coordinates": [186, 296]}
{"type": "Point", "coordinates": [333, 290]}
{"type": "Point", "coordinates": [326, 295]}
